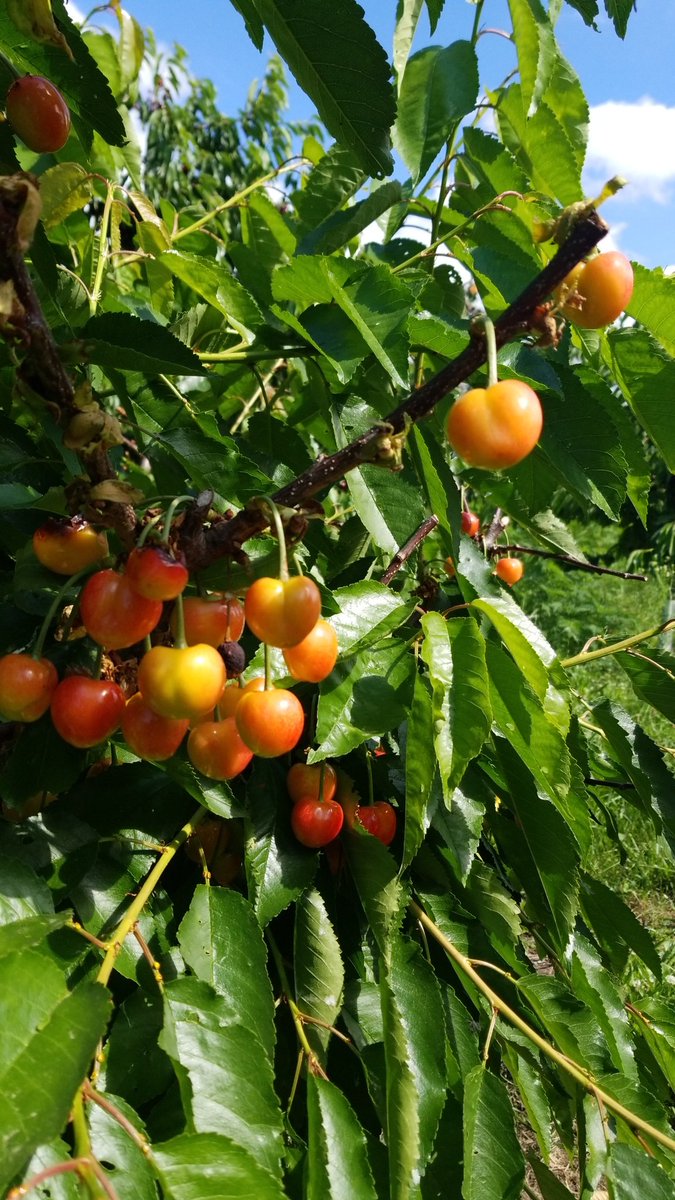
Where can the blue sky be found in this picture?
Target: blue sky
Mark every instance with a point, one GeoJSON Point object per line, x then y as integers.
{"type": "Point", "coordinates": [630, 86]}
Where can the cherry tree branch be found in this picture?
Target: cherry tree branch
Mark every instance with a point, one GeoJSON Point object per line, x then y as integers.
{"type": "Point", "coordinates": [409, 548]}
{"type": "Point", "coordinates": [227, 537]}
{"type": "Point", "coordinates": [575, 563]}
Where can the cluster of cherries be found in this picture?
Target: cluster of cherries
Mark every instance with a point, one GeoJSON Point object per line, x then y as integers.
{"type": "Point", "coordinates": [182, 688]}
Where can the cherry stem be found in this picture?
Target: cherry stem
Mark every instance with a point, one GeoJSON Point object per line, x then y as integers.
{"type": "Point", "coordinates": [281, 537]}
{"type": "Point", "coordinates": [322, 773]}
{"type": "Point", "coordinates": [53, 609]}
{"type": "Point", "coordinates": [170, 512]}
{"type": "Point", "coordinates": [369, 765]}
{"type": "Point", "coordinates": [491, 343]}
{"type": "Point", "coordinates": [266, 658]}
{"type": "Point", "coordinates": [148, 529]}
{"type": "Point", "coordinates": [180, 641]}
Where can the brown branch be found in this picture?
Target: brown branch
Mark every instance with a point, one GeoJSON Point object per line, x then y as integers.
{"type": "Point", "coordinates": [575, 563]}
{"type": "Point", "coordinates": [619, 785]}
{"type": "Point", "coordinates": [409, 548]}
{"type": "Point", "coordinates": [73, 1164]}
{"type": "Point", "coordinates": [23, 325]}
{"type": "Point", "coordinates": [228, 536]}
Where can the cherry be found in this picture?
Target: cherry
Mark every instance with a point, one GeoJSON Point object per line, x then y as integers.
{"type": "Point", "coordinates": [470, 524]}
{"type": "Point", "coordinates": [270, 722]}
{"type": "Point", "coordinates": [156, 574]}
{"type": "Point", "coordinates": [181, 682]}
{"type": "Point", "coordinates": [282, 612]}
{"type": "Point", "coordinates": [379, 819]}
{"type": "Point", "coordinates": [509, 570]}
{"type": "Point", "coordinates": [303, 780]}
{"type": "Point", "coordinates": [66, 545]}
{"type": "Point", "coordinates": [315, 656]}
{"type": "Point", "coordinates": [314, 822]}
{"type": "Point", "coordinates": [215, 620]}
{"type": "Point", "coordinates": [216, 749]}
{"type": "Point", "coordinates": [233, 693]}
{"type": "Point", "coordinates": [497, 426]}
{"type": "Point", "coordinates": [150, 736]}
{"type": "Point", "coordinates": [38, 113]}
{"type": "Point", "coordinates": [86, 711]}
{"type": "Point", "coordinates": [212, 836]}
{"type": "Point", "coordinates": [597, 291]}
{"type": "Point", "coordinates": [113, 614]}
{"type": "Point", "coordinates": [26, 686]}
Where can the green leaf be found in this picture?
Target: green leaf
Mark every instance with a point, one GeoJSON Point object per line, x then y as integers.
{"type": "Point", "coordinates": [570, 1024]}
{"type": "Point", "coordinates": [647, 377]}
{"type": "Point", "coordinates": [127, 1167]}
{"type": "Point", "coordinates": [494, 1167]}
{"type": "Point", "coordinates": [365, 696]}
{"type": "Point", "coordinates": [216, 795]}
{"type": "Point", "coordinates": [277, 866]}
{"type": "Point", "coordinates": [461, 826]}
{"type": "Point", "coordinates": [595, 986]}
{"type": "Point", "coordinates": [439, 483]}
{"type": "Point", "coordinates": [368, 611]}
{"type": "Point", "coordinates": [379, 890]}
{"type": "Point", "coordinates": [642, 760]}
{"type": "Point", "coordinates": [542, 847]}
{"type": "Point", "coordinates": [23, 894]}
{"type": "Point", "coordinates": [378, 304]}
{"type": "Point", "coordinates": [402, 1098]}
{"type": "Point", "coordinates": [219, 287]}
{"type": "Point", "coordinates": [125, 342]}
{"type": "Point", "coordinates": [328, 187]}
{"type": "Point", "coordinates": [254, 26]}
{"type": "Point", "coordinates": [337, 1160]}
{"type": "Point", "coordinates": [535, 43]}
{"type": "Point", "coordinates": [221, 942]}
{"type": "Point", "coordinates": [232, 1174]}
{"type": "Point", "coordinates": [26, 932]}
{"type": "Point", "coordinates": [420, 768]}
{"type": "Point", "coordinates": [135, 1067]}
{"type": "Point", "coordinates": [439, 87]}
{"type": "Point", "coordinates": [48, 1036]}
{"type": "Point", "coordinates": [652, 679]}
{"type": "Point", "coordinates": [636, 1176]}
{"type": "Point", "coordinates": [416, 993]}
{"type": "Point", "coordinates": [657, 1026]}
{"type": "Point", "coordinates": [64, 189]}
{"type": "Point", "coordinates": [40, 761]}
{"type": "Point", "coordinates": [338, 62]}
{"type": "Point", "coordinates": [342, 227]}
{"type": "Point", "coordinates": [549, 1185]}
{"type": "Point", "coordinates": [61, 1187]}
{"type": "Point", "coordinates": [209, 462]}
{"type": "Point", "coordinates": [213, 1057]}
{"type": "Point", "coordinates": [619, 12]}
{"type": "Point", "coordinates": [526, 1071]}
{"type": "Point", "coordinates": [319, 973]}
{"type": "Point", "coordinates": [653, 304]}
{"type": "Point", "coordinates": [524, 641]}
{"type": "Point", "coordinates": [455, 655]}
{"type": "Point", "coordinates": [407, 16]}
{"type": "Point", "coordinates": [616, 927]}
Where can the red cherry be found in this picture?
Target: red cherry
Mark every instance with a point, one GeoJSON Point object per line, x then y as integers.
{"type": "Point", "coordinates": [470, 524]}
{"type": "Point", "coordinates": [38, 113]}
{"type": "Point", "coordinates": [26, 686]}
{"type": "Point", "coordinates": [156, 574]}
{"type": "Point", "coordinates": [86, 711]}
{"type": "Point", "coordinates": [303, 780]}
{"type": "Point", "coordinates": [113, 614]}
{"type": "Point", "coordinates": [315, 823]}
{"type": "Point", "coordinates": [270, 722]}
{"type": "Point", "coordinates": [315, 656]}
{"type": "Point", "coordinates": [216, 749]}
{"type": "Point", "coordinates": [379, 819]}
{"type": "Point", "coordinates": [150, 736]}
{"type": "Point", "coordinates": [509, 570]}
{"type": "Point", "coordinates": [66, 545]}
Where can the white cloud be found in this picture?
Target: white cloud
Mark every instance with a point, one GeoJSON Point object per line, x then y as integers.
{"type": "Point", "coordinates": [636, 140]}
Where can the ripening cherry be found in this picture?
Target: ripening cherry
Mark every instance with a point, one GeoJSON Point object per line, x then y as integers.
{"type": "Point", "coordinates": [233, 693]}
{"type": "Point", "coordinates": [470, 524]}
{"type": "Point", "coordinates": [211, 620]}
{"type": "Point", "coordinates": [67, 544]}
{"type": "Point", "coordinates": [38, 113]}
{"type": "Point", "coordinates": [211, 837]}
{"type": "Point", "coordinates": [270, 722]}
{"type": "Point", "coordinates": [305, 780]}
{"type": "Point", "coordinates": [315, 823]}
{"type": "Point", "coordinates": [509, 570]}
{"type": "Point", "coordinates": [597, 290]}
{"type": "Point", "coordinates": [150, 736]}
{"type": "Point", "coordinates": [216, 749]}
{"type": "Point", "coordinates": [282, 612]}
{"type": "Point", "coordinates": [181, 682]}
{"type": "Point", "coordinates": [26, 686]}
{"type": "Point", "coordinates": [497, 426]}
{"type": "Point", "coordinates": [113, 614]}
{"type": "Point", "coordinates": [315, 656]}
{"type": "Point", "coordinates": [86, 711]}
{"type": "Point", "coordinates": [156, 574]}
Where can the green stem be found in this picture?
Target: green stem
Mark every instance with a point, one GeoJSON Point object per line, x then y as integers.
{"type": "Point", "coordinates": [82, 1145]}
{"type": "Point", "coordinates": [312, 1060]}
{"type": "Point", "coordinates": [491, 342]}
{"type": "Point", "coordinates": [580, 1074]}
{"type": "Point", "coordinates": [369, 765]}
{"type": "Point", "coordinates": [95, 293]}
{"type": "Point", "coordinates": [54, 606]}
{"type": "Point", "coordinates": [147, 529]}
{"type": "Point", "coordinates": [281, 538]}
{"type": "Point", "coordinates": [266, 659]}
{"type": "Point", "coordinates": [476, 21]}
{"type": "Point", "coordinates": [252, 356]}
{"type": "Point", "coordinates": [143, 895]}
{"type": "Point", "coordinates": [589, 655]}
{"type": "Point", "coordinates": [170, 512]}
{"type": "Point", "coordinates": [234, 200]}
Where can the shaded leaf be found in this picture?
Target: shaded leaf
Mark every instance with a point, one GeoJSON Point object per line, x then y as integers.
{"type": "Point", "coordinates": [365, 696]}
{"type": "Point", "coordinates": [277, 866]}
{"type": "Point", "coordinates": [439, 87]}
{"type": "Point", "coordinates": [337, 1160]}
{"type": "Point", "coordinates": [127, 343]}
{"type": "Point", "coordinates": [652, 678]}
{"type": "Point", "coordinates": [494, 1167]}
{"type": "Point", "coordinates": [233, 1173]}
{"type": "Point", "coordinates": [319, 973]}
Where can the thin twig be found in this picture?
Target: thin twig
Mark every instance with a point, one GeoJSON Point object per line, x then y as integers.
{"type": "Point", "coordinates": [619, 785]}
{"type": "Point", "coordinates": [227, 537]}
{"type": "Point", "coordinates": [73, 1164]}
{"type": "Point", "coordinates": [90, 1093]}
{"type": "Point", "coordinates": [409, 548]}
{"type": "Point", "coordinates": [575, 563]}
